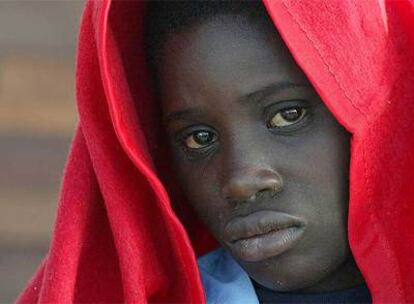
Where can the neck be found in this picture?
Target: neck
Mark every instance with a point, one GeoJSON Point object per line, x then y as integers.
{"type": "Point", "coordinates": [345, 277]}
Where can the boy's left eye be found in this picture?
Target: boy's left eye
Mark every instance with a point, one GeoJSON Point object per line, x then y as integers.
{"type": "Point", "coordinates": [199, 139]}
{"type": "Point", "coordinates": [287, 117]}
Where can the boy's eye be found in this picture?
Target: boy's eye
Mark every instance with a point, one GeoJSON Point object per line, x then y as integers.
{"type": "Point", "coordinates": [199, 139]}
{"type": "Point", "coordinates": [287, 117]}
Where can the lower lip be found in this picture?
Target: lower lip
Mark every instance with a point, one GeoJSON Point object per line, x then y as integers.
{"type": "Point", "coordinates": [264, 246]}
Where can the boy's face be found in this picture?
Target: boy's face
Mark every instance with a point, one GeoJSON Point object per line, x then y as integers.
{"type": "Point", "coordinates": [259, 157]}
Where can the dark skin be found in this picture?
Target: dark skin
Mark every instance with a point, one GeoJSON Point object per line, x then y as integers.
{"type": "Point", "coordinates": [249, 135]}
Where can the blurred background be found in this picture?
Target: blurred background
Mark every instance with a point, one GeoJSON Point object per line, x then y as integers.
{"type": "Point", "coordinates": [37, 121]}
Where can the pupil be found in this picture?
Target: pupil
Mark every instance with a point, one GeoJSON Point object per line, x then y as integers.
{"type": "Point", "coordinates": [203, 137]}
{"type": "Point", "coordinates": [291, 114]}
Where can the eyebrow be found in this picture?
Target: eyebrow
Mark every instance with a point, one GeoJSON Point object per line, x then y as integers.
{"type": "Point", "coordinates": [183, 115]}
{"type": "Point", "coordinates": [252, 97]}
{"type": "Point", "coordinates": [271, 89]}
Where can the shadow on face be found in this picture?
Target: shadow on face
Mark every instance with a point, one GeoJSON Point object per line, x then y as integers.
{"type": "Point", "coordinates": [260, 158]}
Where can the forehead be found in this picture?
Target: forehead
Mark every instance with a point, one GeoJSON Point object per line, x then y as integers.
{"type": "Point", "coordinates": [228, 54]}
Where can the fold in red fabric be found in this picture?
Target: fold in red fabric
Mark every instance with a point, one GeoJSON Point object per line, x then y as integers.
{"type": "Point", "coordinates": [122, 233]}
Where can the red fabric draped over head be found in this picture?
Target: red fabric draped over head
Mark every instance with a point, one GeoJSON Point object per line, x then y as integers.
{"type": "Point", "coordinates": [117, 236]}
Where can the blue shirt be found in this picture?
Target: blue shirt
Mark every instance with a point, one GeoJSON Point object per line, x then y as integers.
{"type": "Point", "coordinates": [225, 282]}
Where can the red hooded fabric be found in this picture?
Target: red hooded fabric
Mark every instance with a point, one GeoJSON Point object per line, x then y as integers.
{"type": "Point", "coordinates": [118, 237]}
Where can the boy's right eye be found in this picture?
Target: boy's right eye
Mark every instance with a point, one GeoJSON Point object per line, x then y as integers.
{"type": "Point", "coordinates": [199, 139]}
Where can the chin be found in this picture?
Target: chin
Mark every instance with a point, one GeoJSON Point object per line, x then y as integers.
{"type": "Point", "coordinates": [287, 274]}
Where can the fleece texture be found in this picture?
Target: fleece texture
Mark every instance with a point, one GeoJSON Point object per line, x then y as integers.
{"type": "Point", "coordinates": [122, 231]}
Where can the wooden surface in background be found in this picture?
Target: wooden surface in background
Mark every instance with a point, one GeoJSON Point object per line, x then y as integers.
{"type": "Point", "coordinates": [37, 95]}
{"type": "Point", "coordinates": [37, 120]}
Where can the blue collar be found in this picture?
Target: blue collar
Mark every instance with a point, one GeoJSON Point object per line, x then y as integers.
{"type": "Point", "coordinates": [224, 280]}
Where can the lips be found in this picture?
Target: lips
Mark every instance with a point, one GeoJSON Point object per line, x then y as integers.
{"type": "Point", "coordinates": [262, 234]}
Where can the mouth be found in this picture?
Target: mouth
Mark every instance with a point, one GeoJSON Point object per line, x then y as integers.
{"type": "Point", "coordinates": [262, 235]}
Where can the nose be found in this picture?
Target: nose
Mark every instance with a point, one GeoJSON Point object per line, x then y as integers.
{"type": "Point", "coordinates": [246, 184]}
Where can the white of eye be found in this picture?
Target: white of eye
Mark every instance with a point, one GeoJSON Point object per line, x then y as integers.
{"type": "Point", "coordinates": [287, 117]}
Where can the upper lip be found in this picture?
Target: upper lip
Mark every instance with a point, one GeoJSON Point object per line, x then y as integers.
{"type": "Point", "coordinates": [258, 223]}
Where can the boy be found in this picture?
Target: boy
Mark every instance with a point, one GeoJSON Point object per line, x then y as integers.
{"type": "Point", "coordinates": [260, 151]}
{"type": "Point", "coordinates": [271, 162]}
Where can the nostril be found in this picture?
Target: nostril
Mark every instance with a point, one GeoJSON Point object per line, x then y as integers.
{"type": "Point", "coordinates": [271, 192]}
{"type": "Point", "coordinates": [260, 193]}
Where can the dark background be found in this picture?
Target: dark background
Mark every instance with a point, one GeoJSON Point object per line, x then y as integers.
{"type": "Point", "coordinates": [37, 120]}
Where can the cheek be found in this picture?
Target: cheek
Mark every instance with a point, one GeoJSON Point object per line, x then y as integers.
{"type": "Point", "coordinates": [199, 183]}
{"type": "Point", "coordinates": [315, 170]}
{"type": "Point", "coordinates": [321, 186]}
